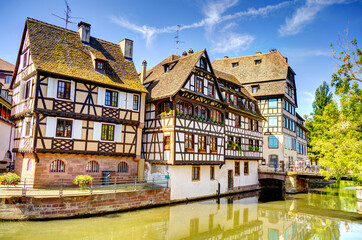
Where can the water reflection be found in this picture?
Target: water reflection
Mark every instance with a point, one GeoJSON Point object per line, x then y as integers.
{"type": "Point", "coordinates": [247, 216]}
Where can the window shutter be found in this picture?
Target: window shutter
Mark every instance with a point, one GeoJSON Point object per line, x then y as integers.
{"type": "Point", "coordinates": [50, 88]}
{"type": "Point", "coordinates": [118, 133]}
{"type": "Point", "coordinates": [51, 126]}
{"type": "Point", "coordinates": [72, 90]}
{"type": "Point", "coordinates": [129, 101]}
{"type": "Point", "coordinates": [97, 131]}
{"type": "Point", "coordinates": [77, 129]}
{"type": "Point", "coordinates": [101, 96]}
{"type": "Point", "coordinates": [22, 87]}
{"type": "Point", "coordinates": [122, 100]}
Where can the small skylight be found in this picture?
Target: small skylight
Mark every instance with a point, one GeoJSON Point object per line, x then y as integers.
{"type": "Point", "coordinates": [257, 62]}
{"type": "Point", "coordinates": [235, 64]}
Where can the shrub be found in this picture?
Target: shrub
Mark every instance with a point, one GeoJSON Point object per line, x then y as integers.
{"type": "Point", "coordinates": [83, 181]}
{"type": "Point", "coordinates": [9, 179]}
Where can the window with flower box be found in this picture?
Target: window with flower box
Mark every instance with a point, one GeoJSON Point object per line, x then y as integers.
{"type": "Point", "coordinates": [202, 143]}
{"type": "Point", "coordinates": [213, 144]}
{"type": "Point", "coordinates": [189, 142]}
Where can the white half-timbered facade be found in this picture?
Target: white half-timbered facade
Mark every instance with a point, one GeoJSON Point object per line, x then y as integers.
{"type": "Point", "coordinates": [185, 129]}
{"type": "Point", "coordinates": [78, 107]}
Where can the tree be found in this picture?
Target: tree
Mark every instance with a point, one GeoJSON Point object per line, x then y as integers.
{"type": "Point", "coordinates": [322, 98]}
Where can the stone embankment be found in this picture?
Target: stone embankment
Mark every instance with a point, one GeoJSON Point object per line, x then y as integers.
{"type": "Point", "coordinates": [28, 208]}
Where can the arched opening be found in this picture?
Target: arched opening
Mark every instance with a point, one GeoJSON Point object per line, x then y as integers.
{"type": "Point", "coordinates": [202, 112]}
{"type": "Point", "coordinates": [164, 108]}
{"type": "Point", "coordinates": [184, 108]}
{"type": "Point", "coordinates": [92, 167]}
{"type": "Point", "coordinates": [216, 116]}
{"type": "Point", "coordinates": [123, 167]}
{"type": "Point", "coordinates": [57, 166]}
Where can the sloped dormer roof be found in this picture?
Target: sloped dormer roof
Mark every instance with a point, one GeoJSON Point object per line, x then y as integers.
{"type": "Point", "coordinates": [165, 84]}
{"type": "Point", "coordinates": [273, 66]}
{"type": "Point", "coordinates": [60, 51]}
{"type": "Point", "coordinates": [6, 66]}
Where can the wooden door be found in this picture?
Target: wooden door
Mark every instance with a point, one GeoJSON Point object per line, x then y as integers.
{"type": "Point", "coordinates": [230, 180]}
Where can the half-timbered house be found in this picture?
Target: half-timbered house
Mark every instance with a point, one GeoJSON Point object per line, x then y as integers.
{"type": "Point", "coordinates": [184, 134]}
{"type": "Point", "coordinates": [269, 78]}
{"type": "Point", "coordinates": [78, 105]}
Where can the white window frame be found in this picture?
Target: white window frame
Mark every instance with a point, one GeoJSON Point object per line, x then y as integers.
{"type": "Point", "coordinates": [271, 118]}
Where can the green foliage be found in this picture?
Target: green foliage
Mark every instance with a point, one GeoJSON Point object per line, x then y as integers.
{"type": "Point", "coordinates": [9, 179]}
{"type": "Point", "coordinates": [83, 181]}
{"type": "Point", "coordinates": [251, 148]}
{"type": "Point", "coordinates": [322, 98]}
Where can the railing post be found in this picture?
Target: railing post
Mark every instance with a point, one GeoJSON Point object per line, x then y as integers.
{"type": "Point", "coordinates": [61, 188]}
{"type": "Point", "coordinates": [135, 183]}
{"type": "Point", "coordinates": [115, 183]}
{"type": "Point", "coordinates": [91, 188]}
{"type": "Point", "coordinates": [23, 192]}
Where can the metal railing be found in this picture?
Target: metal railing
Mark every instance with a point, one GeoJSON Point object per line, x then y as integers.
{"type": "Point", "coordinates": [67, 187]}
{"type": "Point", "coordinates": [283, 168]}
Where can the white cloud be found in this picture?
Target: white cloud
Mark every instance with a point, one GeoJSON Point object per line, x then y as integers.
{"type": "Point", "coordinates": [305, 15]}
{"type": "Point", "coordinates": [213, 12]}
{"type": "Point", "coordinates": [232, 42]}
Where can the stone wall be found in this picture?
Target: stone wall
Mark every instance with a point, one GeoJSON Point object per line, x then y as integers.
{"type": "Point", "coordinates": [26, 208]}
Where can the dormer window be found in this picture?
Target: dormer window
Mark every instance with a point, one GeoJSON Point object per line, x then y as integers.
{"type": "Point", "coordinates": [257, 62]}
{"type": "Point", "coordinates": [254, 88]}
{"type": "Point", "coordinates": [235, 64]}
{"type": "Point", "coordinates": [168, 67]}
{"type": "Point", "coordinates": [100, 65]}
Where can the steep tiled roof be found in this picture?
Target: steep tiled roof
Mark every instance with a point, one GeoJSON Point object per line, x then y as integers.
{"type": "Point", "coordinates": [60, 51]}
{"type": "Point", "coordinates": [268, 88]}
{"type": "Point", "coordinates": [6, 66]}
{"type": "Point", "coordinates": [273, 66]}
{"type": "Point", "coordinates": [165, 84]}
{"type": "Point", "coordinates": [232, 79]}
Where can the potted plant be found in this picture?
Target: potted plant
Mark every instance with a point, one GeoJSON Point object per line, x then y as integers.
{"type": "Point", "coordinates": [239, 148]}
{"type": "Point", "coordinates": [256, 148]}
{"type": "Point", "coordinates": [9, 179]}
{"type": "Point", "coordinates": [83, 181]}
{"type": "Point", "coordinates": [251, 148]}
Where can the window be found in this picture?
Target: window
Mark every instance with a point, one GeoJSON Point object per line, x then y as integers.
{"type": "Point", "coordinates": [200, 85]}
{"type": "Point", "coordinates": [25, 60]}
{"type": "Point", "coordinates": [273, 121]}
{"type": "Point", "coordinates": [251, 124]}
{"type": "Point", "coordinates": [257, 62]}
{"type": "Point", "coordinates": [273, 142]}
{"type": "Point", "coordinates": [212, 173]}
{"type": "Point", "coordinates": [184, 108]}
{"type": "Point", "coordinates": [195, 173]}
{"type": "Point", "coordinates": [216, 116]}
{"type": "Point", "coordinates": [166, 142]}
{"type": "Point", "coordinates": [8, 79]}
{"type": "Point", "coordinates": [100, 65]}
{"type": "Point", "coordinates": [123, 167]}
{"type": "Point", "coordinates": [213, 144]}
{"type": "Point", "coordinates": [203, 63]}
{"type": "Point", "coordinates": [135, 102]}
{"type": "Point", "coordinates": [189, 142]}
{"type": "Point", "coordinates": [27, 88]}
{"type": "Point", "coordinates": [251, 143]}
{"type": "Point", "coordinates": [246, 168]}
{"type": "Point", "coordinates": [202, 144]}
{"type": "Point", "coordinates": [273, 159]}
{"type": "Point", "coordinates": [57, 166]}
{"type": "Point", "coordinates": [238, 141]}
{"type": "Point", "coordinates": [194, 226]}
{"type": "Point", "coordinates": [164, 107]}
{"type": "Point", "coordinates": [230, 142]}
{"type": "Point", "coordinates": [27, 128]}
{"type": "Point", "coordinates": [237, 121]}
{"type": "Point", "coordinates": [64, 128]}
{"type": "Point", "coordinates": [237, 168]}
{"type": "Point", "coordinates": [202, 112]}
{"type": "Point", "coordinates": [63, 90]}
{"type": "Point", "coordinates": [273, 103]}
{"type": "Point", "coordinates": [254, 89]}
{"type": "Point", "coordinates": [235, 64]}
{"type": "Point", "coordinates": [111, 98]}
{"type": "Point", "coordinates": [92, 167]}
{"type": "Point", "coordinates": [227, 97]}
{"type": "Point", "coordinates": [29, 165]}
{"type": "Point", "coordinates": [107, 132]}
{"type": "Point", "coordinates": [211, 89]}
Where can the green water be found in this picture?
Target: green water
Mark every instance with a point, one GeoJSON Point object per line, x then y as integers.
{"type": "Point", "coordinates": [327, 214]}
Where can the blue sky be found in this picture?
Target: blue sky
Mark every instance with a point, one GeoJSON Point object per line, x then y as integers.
{"type": "Point", "coordinates": [301, 30]}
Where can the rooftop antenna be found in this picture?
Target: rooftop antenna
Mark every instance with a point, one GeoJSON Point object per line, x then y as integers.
{"type": "Point", "coordinates": [67, 17]}
{"type": "Point", "coordinates": [177, 37]}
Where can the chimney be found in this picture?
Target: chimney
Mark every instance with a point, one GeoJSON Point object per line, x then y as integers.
{"type": "Point", "coordinates": [226, 57]}
{"type": "Point", "coordinates": [84, 31]}
{"type": "Point", "coordinates": [191, 51]}
{"type": "Point", "coordinates": [286, 59]}
{"type": "Point", "coordinates": [184, 53]}
{"type": "Point", "coordinates": [127, 48]}
{"type": "Point", "coordinates": [143, 71]}
{"type": "Point", "coordinates": [258, 52]}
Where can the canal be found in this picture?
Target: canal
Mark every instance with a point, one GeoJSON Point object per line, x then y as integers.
{"type": "Point", "coordinates": [329, 213]}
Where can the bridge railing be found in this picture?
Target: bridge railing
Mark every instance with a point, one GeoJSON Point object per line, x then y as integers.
{"type": "Point", "coordinates": [282, 168]}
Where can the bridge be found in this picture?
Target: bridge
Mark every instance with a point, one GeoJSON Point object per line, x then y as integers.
{"type": "Point", "coordinates": [291, 179]}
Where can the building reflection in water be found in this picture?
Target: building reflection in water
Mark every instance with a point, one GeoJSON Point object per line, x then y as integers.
{"type": "Point", "coordinates": [236, 217]}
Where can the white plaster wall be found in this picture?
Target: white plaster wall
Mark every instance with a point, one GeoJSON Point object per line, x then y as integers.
{"type": "Point", "coordinates": [5, 138]}
{"type": "Point", "coordinates": [183, 187]}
